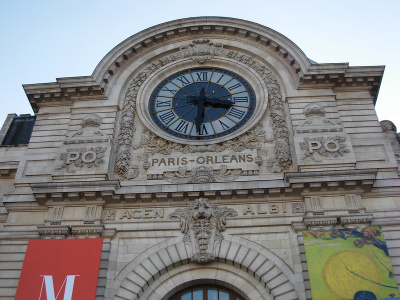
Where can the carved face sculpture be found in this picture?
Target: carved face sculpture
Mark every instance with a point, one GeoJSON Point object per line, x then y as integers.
{"type": "Point", "coordinates": [201, 208]}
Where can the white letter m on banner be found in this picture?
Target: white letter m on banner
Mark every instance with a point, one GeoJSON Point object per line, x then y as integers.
{"type": "Point", "coordinates": [48, 282]}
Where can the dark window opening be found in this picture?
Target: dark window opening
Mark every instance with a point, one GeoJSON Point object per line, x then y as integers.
{"type": "Point", "coordinates": [206, 292]}
{"type": "Point", "coordinates": [20, 131]}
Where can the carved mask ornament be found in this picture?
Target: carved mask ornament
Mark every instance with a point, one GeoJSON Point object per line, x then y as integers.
{"type": "Point", "coordinates": [202, 223]}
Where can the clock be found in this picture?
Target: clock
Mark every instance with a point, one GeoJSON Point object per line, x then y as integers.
{"type": "Point", "coordinates": [202, 104]}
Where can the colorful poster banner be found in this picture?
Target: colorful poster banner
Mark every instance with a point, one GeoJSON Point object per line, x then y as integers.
{"type": "Point", "coordinates": [349, 264]}
{"type": "Point", "coordinates": [65, 269]}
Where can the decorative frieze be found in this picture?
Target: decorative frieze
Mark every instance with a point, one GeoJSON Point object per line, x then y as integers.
{"type": "Point", "coordinates": [321, 222]}
{"type": "Point", "coordinates": [87, 231]}
{"type": "Point", "coordinates": [356, 220]}
{"type": "Point", "coordinates": [54, 231]}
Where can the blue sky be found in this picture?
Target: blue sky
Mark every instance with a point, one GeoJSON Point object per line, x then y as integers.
{"type": "Point", "coordinates": [44, 40]}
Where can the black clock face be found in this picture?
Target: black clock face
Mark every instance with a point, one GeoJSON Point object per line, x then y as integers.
{"type": "Point", "coordinates": [202, 104]}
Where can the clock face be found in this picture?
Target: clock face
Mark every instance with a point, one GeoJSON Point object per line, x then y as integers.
{"type": "Point", "coordinates": [202, 104]}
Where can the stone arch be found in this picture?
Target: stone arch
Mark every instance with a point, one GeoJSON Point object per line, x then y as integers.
{"type": "Point", "coordinates": [178, 29]}
{"type": "Point", "coordinates": [191, 274]}
{"type": "Point", "coordinates": [273, 274]}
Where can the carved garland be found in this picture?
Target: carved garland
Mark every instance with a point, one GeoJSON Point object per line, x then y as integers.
{"type": "Point", "coordinates": [201, 50]}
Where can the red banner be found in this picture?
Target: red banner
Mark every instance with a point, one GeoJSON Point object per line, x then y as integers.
{"type": "Point", "coordinates": [60, 270]}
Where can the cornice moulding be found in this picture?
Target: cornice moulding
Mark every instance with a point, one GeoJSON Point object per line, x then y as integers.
{"type": "Point", "coordinates": [356, 219]}
{"type": "Point", "coordinates": [324, 176]}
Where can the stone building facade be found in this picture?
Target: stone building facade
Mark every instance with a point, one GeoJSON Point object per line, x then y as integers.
{"type": "Point", "coordinates": [228, 209]}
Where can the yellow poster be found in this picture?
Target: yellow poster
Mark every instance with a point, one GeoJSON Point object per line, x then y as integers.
{"type": "Point", "coordinates": [349, 264]}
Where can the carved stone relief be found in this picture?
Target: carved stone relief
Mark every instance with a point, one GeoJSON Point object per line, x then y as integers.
{"type": "Point", "coordinates": [91, 152]}
{"type": "Point", "coordinates": [332, 146]}
{"type": "Point", "coordinates": [109, 215]}
{"type": "Point", "coordinates": [298, 208]}
{"type": "Point", "coordinates": [316, 121]}
{"type": "Point", "coordinates": [316, 203]}
{"type": "Point", "coordinates": [351, 200]}
{"type": "Point", "coordinates": [151, 144]}
{"type": "Point", "coordinates": [199, 50]}
{"type": "Point", "coordinates": [89, 132]}
{"type": "Point", "coordinates": [356, 220]}
{"type": "Point", "coordinates": [58, 212]}
{"type": "Point", "coordinates": [320, 141]}
{"type": "Point", "coordinates": [78, 157]}
{"type": "Point", "coordinates": [390, 131]}
{"type": "Point", "coordinates": [202, 223]}
{"type": "Point", "coordinates": [54, 232]}
{"type": "Point", "coordinates": [202, 175]}
{"type": "Point", "coordinates": [87, 231]}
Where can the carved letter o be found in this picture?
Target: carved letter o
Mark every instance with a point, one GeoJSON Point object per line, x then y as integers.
{"type": "Point", "coordinates": [92, 156]}
{"type": "Point", "coordinates": [327, 143]}
{"type": "Point", "coordinates": [202, 161]}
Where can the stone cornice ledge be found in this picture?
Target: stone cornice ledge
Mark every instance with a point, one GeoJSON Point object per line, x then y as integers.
{"type": "Point", "coordinates": [386, 221]}
{"type": "Point", "coordinates": [324, 176]}
{"type": "Point", "coordinates": [52, 232]}
{"type": "Point", "coordinates": [320, 222]}
{"type": "Point", "coordinates": [355, 219]}
{"type": "Point", "coordinates": [87, 231]}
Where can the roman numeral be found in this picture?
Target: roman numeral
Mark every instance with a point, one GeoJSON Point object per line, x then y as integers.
{"type": "Point", "coordinates": [168, 90]}
{"type": "Point", "coordinates": [223, 125]}
{"type": "Point", "coordinates": [220, 78]}
{"type": "Point", "coordinates": [166, 103]}
{"type": "Point", "coordinates": [235, 86]}
{"type": "Point", "coordinates": [240, 99]}
{"type": "Point", "coordinates": [236, 113]}
{"type": "Point", "coordinates": [182, 126]}
{"type": "Point", "coordinates": [203, 130]}
{"type": "Point", "coordinates": [183, 80]}
{"type": "Point", "coordinates": [167, 117]}
{"type": "Point", "coordinates": [202, 76]}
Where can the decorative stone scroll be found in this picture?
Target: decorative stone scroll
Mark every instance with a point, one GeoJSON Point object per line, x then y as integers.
{"type": "Point", "coordinates": [202, 223]}
{"type": "Point", "coordinates": [201, 50]}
